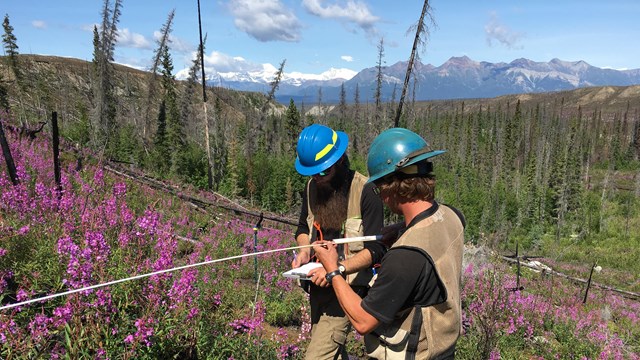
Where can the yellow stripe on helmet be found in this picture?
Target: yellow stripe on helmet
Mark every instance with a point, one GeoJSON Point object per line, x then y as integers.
{"type": "Point", "coordinates": [327, 148]}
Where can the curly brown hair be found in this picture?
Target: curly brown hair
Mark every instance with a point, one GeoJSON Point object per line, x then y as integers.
{"type": "Point", "coordinates": [409, 189]}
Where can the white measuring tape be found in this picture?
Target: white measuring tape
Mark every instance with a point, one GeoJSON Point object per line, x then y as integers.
{"type": "Point", "coordinates": [49, 297]}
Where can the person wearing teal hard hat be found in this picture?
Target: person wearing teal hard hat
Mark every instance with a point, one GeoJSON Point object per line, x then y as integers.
{"type": "Point", "coordinates": [337, 203]}
{"type": "Point", "coordinates": [413, 310]}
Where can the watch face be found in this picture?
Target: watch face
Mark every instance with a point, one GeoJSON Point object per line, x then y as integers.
{"type": "Point", "coordinates": [342, 269]}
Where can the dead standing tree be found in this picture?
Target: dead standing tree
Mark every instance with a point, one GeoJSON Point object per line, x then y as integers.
{"type": "Point", "coordinates": [104, 46]}
{"type": "Point", "coordinates": [200, 62]}
{"type": "Point", "coordinates": [422, 32]}
{"type": "Point", "coordinates": [6, 151]}
{"type": "Point", "coordinates": [162, 42]}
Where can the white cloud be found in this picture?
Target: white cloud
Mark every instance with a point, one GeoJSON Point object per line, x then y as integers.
{"type": "Point", "coordinates": [265, 20]}
{"type": "Point", "coordinates": [352, 11]}
{"type": "Point", "coordinates": [347, 58]}
{"type": "Point", "coordinates": [501, 33]}
{"type": "Point", "coordinates": [225, 63]}
{"type": "Point", "coordinates": [132, 40]}
{"type": "Point", "coordinates": [89, 27]}
{"type": "Point", "coordinates": [39, 24]}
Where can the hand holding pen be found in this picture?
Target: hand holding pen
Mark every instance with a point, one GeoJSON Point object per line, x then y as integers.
{"type": "Point", "coordinates": [300, 258]}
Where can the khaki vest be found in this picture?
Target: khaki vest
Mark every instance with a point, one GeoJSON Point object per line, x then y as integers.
{"type": "Point", "coordinates": [431, 331]}
{"type": "Point", "coordinates": [352, 226]}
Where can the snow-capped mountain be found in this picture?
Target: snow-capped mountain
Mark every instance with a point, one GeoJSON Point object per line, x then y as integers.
{"type": "Point", "coordinates": [290, 83]}
{"type": "Point", "coordinates": [458, 77]}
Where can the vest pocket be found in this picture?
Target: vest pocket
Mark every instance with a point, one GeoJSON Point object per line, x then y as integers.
{"type": "Point", "coordinates": [353, 228]}
{"type": "Point", "coordinates": [385, 347]}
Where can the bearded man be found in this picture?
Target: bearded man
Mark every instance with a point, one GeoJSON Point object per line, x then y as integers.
{"type": "Point", "coordinates": [337, 202]}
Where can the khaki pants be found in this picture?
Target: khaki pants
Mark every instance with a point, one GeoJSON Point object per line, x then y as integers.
{"type": "Point", "coordinates": [326, 337]}
{"type": "Point", "coordinates": [329, 325]}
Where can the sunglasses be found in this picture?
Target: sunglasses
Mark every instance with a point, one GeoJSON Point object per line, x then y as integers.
{"type": "Point", "coordinates": [325, 172]}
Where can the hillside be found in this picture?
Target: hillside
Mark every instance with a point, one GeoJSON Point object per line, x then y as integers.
{"type": "Point", "coordinates": [50, 83]}
{"type": "Point", "coordinates": [605, 99]}
{"type": "Point", "coordinates": [64, 85]}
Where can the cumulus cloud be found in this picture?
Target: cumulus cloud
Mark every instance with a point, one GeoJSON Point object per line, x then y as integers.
{"type": "Point", "coordinates": [39, 24]}
{"type": "Point", "coordinates": [265, 20]}
{"type": "Point", "coordinates": [502, 34]}
{"type": "Point", "coordinates": [129, 39]}
{"type": "Point", "coordinates": [224, 63]}
{"type": "Point", "coordinates": [347, 58]}
{"type": "Point", "coordinates": [352, 11]}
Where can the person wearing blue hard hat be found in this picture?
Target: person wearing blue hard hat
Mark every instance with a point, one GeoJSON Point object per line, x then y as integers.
{"type": "Point", "coordinates": [413, 309]}
{"type": "Point", "coordinates": [337, 202]}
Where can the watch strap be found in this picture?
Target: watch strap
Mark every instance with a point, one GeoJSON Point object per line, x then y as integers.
{"type": "Point", "coordinates": [331, 275]}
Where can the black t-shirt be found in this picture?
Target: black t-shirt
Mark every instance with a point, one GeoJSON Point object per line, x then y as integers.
{"type": "Point", "coordinates": [406, 277]}
{"type": "Point", "coordinates": [372, 212]}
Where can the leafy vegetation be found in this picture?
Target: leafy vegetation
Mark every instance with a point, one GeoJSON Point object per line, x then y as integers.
{"type": "Point", "coordinates": [101, 228]}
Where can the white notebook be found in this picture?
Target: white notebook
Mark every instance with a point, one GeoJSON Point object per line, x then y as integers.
{"type": "Point", "coordinates": [302, 271]}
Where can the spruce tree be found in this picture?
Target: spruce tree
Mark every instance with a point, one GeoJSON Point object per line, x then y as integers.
{"type": "Point", "coordinates": [292, 125]}
{"type": "Point", "coordinates": [342, 108]}
{"type": "Point", "coordinates": [357, 119]}
{"type": "Point", "coordinates": [162, 42]}
{"type": "Point", "coordinates": [175, 128]}
{"type": "Point", "coordinates": [10, 43]}
{"type": "Point", "coordinates": [379, 77]}
{"type": "Point", "coordinates": [160, 143]}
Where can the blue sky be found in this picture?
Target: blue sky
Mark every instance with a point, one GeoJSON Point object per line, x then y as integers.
{"type": "Point", "coordinates": [314, 36]}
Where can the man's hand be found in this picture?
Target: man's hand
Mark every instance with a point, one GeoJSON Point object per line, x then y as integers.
{"type": "Point", "coordinates": [327, 254]}
{"type": "Point", "coordinates": [317, 277]}
{"type": "Point", "coordinates": [301, 259]}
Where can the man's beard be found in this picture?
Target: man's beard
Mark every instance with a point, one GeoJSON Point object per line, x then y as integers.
{"type": "Point", "coordinates": [330, 210]}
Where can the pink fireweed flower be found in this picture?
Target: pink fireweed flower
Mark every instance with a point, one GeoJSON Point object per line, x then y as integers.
{"type": "Point", "coordinates": [126, 214]}
{"type": "Point", "coordinates": [22, 295]}
{"type": "Point", "coordinates": [144, 332]}
{"type": "Point", "coordinates": [62, 315]}
{"type": "Point", "coordinates": [119, 189]}
{"type": "Point", "coordinates": [23, 230]}
{"type": "Point", "coordinates": [183, 290]}
{"type": "Point", "coordinates": [39, 327]}
{"type": "Point", "coordinates": [98, 178]}
{"type": "Point", "coordinates": [249, 324]}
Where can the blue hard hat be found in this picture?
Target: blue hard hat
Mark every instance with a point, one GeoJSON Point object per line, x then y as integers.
{"type": "Point", "coordinates": [395, 149]}
{"type": "Point", "coordinates": [319, 147]}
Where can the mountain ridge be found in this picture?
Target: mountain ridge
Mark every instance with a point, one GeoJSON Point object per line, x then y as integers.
{"type": "Point", "coordinates": [457, 78]}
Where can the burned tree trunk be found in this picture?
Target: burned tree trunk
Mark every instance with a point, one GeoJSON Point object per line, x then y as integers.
{"type": "Point", "coordinates": [11, 166]}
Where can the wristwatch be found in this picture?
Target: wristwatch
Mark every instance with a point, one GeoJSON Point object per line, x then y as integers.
{"type": "Point", "coordinates": [330, 275]}
{"type": "Point", "coordinates": [342, 269]}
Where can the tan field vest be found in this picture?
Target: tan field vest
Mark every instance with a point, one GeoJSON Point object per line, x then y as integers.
{"type": "Point", "coordinates": [352, 226]}
{"type": "Point", "coordinates": [427, 332]}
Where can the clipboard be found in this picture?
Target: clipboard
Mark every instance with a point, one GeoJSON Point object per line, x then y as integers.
{"type": "Point", "coordinates": [301, 272]}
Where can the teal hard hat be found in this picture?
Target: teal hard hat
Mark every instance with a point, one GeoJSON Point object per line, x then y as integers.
{"type": "Point", "coordinates": [319, 147]}
{"type": "Point", "coordinates": [395, 149]}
